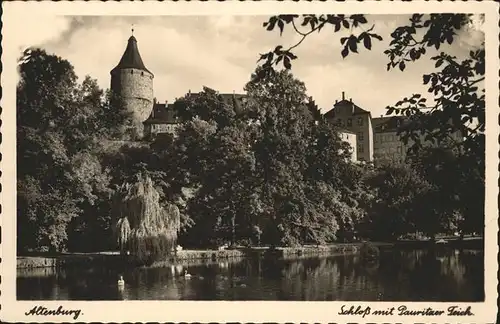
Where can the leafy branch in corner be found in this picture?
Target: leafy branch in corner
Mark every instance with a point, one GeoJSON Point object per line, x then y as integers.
{"type": "Point", "coordinates": [457, 87]}
{"type": "Point", "coordinates": [406, 46]}
{"type": "Point", "coordinates": [304, 26]}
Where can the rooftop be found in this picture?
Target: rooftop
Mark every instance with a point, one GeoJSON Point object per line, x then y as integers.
{"type": "Point", "coordinates": [342, 103]}
{"type": "Point", "coordinates": [165, 113]}
{"type": "Point", "coordinates": [131, 57]}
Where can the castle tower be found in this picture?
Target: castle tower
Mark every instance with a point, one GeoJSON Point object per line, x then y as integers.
{"type": "Point", "coordinates": [133, 83]}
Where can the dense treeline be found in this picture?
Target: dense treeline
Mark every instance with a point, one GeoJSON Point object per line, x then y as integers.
{"type": "Point", "coordinates": [268, 171]}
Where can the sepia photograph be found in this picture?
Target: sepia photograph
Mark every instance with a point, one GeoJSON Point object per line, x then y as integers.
{"type": "Point", "coordinates": [220, 156]}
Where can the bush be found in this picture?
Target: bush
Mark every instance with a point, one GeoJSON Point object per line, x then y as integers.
{"type": "Point", "coordinates": [369, 252]}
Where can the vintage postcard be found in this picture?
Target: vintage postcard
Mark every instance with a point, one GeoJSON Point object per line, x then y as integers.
{"type": "Point", "coordinates": [249, 162]}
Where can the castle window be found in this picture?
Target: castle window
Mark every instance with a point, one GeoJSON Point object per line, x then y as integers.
{"type": "Point", "coordinates": [349, 122]}
{"type": "Point", "coordinates": [339, 122]}
{"type": "Point", "coordinates": [131, 71]}
{"type": "Point", "coordinates": [360, 121]}
{"type": "Point", "coordinates": [142, 73]}
{"type": "Point", "coordinates": [360, 148]}
{"type": "Point", "coordinates": [360, 136]}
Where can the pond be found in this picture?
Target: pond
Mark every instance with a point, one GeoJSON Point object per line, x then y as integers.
{"type": "Point", "coordinates": [399, 275]}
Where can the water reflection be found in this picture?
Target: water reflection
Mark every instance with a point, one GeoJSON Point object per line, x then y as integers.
{"type": "Point", "coordinates": [441, 275]}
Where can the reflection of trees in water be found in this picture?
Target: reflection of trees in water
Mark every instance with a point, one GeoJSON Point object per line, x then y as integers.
{"type": "Point", "coordinates": [36, 272]}
{"type": "Point", "coordinates": [441, 274]}
{"type": "Point", "coordinates": [70, 283]}
{"type": "Point", "coordinates": [320, 279]}
{"type": "Point", "coordinates": [473, 262]}
{"type": "Point", "coordinates": [436, 274]}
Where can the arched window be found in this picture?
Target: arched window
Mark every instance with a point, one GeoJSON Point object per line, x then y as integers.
{"type": "Point", "coordinates": [131, 71]}
{"type": "Point", "coordinates": [360, 121]}
{"type": "Point", "coordinates": [142, 73]}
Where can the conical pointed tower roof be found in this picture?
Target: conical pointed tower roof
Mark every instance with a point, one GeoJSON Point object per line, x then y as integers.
{"type": "Point", "coordinates": [131, 57]}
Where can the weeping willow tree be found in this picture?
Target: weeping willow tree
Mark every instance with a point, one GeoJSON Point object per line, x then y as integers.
{"type": "Point", "coordinates": [144, 227]}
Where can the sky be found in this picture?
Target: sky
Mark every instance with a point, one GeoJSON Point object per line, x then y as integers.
{"type": "Point", "coordinates": [189, 52]}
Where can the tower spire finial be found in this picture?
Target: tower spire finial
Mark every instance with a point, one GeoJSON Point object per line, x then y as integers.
{"type": "Point", "coordinates": [132, 29]}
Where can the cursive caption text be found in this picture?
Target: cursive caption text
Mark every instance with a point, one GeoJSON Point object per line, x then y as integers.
{"type": "Point", "coordinates": [43, 311]}
{"type": "Point", "coordinates": [403, 310]}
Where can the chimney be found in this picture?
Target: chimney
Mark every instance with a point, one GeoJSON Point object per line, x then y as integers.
{"type": "Point", "coordinates": [343, 95]}
{"type": "Point", "coordinates": [350, 100]}
{"type": "Point", "coordinates": [336, 101]}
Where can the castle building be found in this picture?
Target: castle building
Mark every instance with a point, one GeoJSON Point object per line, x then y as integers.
{"type": "Point", "coordinates": [377, 139]}
{"type": "Point", "coordinates": [347, 115]}
{"type": "Point", "coordinates": [387, 143]}
{"type": "Point", "coordinates": [132, 82]}
{"type": "Point", "coordinates": [164, 118]}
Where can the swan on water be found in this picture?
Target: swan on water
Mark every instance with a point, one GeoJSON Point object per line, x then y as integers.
{"type": "Point", "coordinates": [186, 274]}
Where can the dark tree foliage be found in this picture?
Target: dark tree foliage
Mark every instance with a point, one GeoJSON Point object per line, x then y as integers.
{"type": "Point", "coordinates": [268, 172]}
{"type": "Point", "coordinates": [61, 182]}
{"type": "Point", "coordinates": [456, 119]}
{"type": "Point", "coordinates": [401, 205]}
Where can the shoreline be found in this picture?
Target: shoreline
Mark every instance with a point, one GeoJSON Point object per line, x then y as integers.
{"type": "Point", "coordinates": [115, 259]}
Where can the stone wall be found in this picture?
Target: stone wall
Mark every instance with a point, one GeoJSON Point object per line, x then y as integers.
{"type": "Point", "coordinates": [136, 89]}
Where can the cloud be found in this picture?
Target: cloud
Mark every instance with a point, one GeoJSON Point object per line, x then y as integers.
{"type": "Point", "coordinates": [188, 52]}
{"type": "Point", "coordinates": [42, 30]}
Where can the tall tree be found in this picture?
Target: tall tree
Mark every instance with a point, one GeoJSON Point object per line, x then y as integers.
{"type": "Point", "coordinates": [59, 131]}
{"type": "Point", "coordinates": [214, 161]}
{"type": "Point", "coordinates": [297, 160]}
